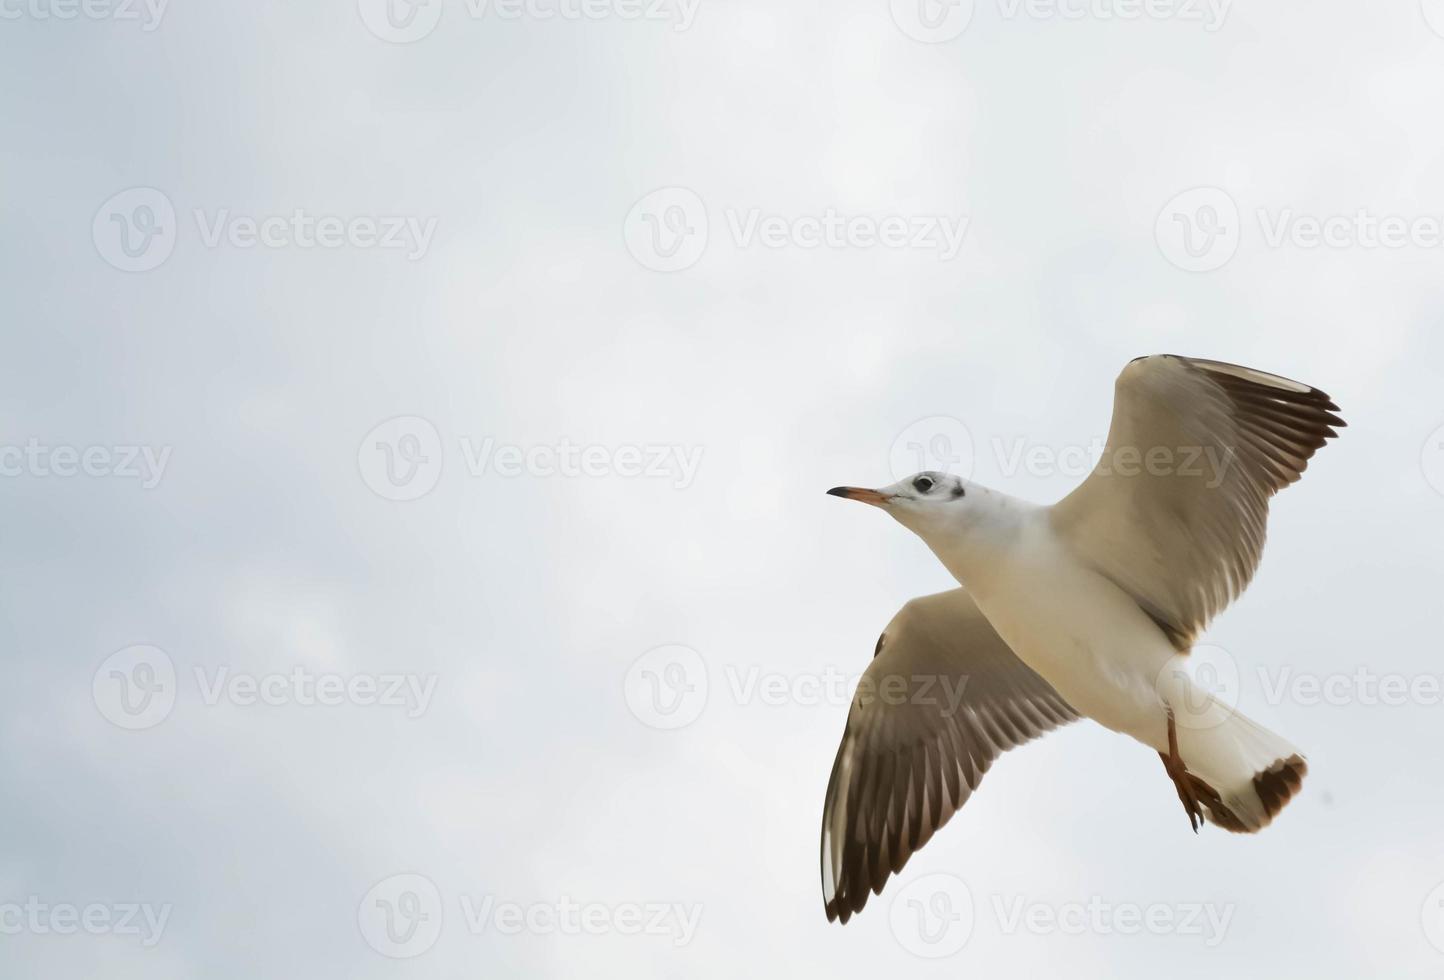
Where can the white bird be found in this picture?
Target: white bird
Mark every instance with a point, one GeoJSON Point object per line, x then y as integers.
{"type": "Point", "coordinates": [1086, 608]}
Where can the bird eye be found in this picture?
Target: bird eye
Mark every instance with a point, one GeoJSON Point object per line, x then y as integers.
{"type": "Point", "coordinates": [923, 484]}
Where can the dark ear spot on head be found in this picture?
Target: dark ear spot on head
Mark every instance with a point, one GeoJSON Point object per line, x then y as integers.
{"type": "Point", "coordinates": [958, 491]}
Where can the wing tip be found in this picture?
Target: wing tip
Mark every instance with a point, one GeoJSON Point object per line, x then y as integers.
{"type": "Point", "coordinates": [840, 909]}
{"type": "Point", "coordinates": [1315, 400]}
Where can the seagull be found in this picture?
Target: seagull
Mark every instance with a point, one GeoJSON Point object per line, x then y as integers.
{"type": "Point", "coordinates": [1086, 608]}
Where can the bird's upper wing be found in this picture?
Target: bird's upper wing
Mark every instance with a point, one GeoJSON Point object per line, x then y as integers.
{"type": "Point", "coordinates": [943, 697]}
{"type": "Point", "coordinates": [1174, 513]}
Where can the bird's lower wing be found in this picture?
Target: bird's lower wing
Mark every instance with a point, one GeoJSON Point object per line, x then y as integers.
{"type": "Point", "coordinates": [943, 698]}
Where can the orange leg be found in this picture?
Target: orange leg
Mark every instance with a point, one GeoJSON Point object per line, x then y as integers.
{"type": "Point", "coordinates": [1183, 781]}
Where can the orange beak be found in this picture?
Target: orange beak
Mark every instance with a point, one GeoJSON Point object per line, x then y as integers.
{"type": "Point", "coordinates": [874, 497]}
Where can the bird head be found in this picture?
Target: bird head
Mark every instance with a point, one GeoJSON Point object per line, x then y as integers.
{"type": "Point", "coordinates": [930, 504]}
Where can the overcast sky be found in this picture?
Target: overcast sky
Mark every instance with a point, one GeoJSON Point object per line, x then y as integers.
{"type": "Point", "coordinates": [414, 423]}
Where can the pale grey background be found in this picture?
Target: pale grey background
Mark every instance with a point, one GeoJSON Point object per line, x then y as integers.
{"type": "Point", "coordinates": [528, 321]}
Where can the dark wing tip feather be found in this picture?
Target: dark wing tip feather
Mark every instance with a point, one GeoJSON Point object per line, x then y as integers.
{"type": "Point", "coordinates": [1278, 413]}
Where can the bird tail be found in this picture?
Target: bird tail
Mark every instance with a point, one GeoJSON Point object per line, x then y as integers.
{"type": "Point", "coordinates": [1243, 773]}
